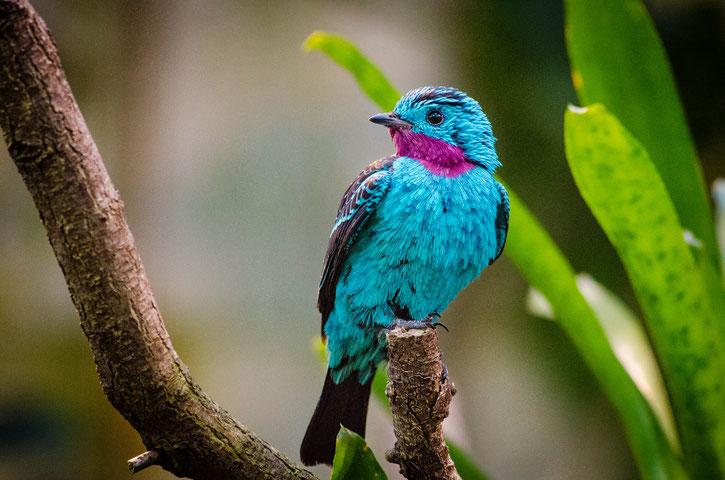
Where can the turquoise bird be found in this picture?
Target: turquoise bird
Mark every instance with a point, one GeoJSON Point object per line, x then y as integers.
{"type": "Point", "coordinates": [412, 230]}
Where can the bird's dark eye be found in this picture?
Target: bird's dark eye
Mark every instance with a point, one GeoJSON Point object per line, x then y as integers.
{"type": "Point", "coordinates": [434, 117]}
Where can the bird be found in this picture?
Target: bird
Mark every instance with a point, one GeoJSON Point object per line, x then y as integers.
{"type": "Point", "coordinates": [412, 230]}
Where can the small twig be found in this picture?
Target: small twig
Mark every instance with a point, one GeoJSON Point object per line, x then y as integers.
{"type": "Point", "coordinates": [420, 394]}
{"type": "Point", "coordinates": [146, 459]}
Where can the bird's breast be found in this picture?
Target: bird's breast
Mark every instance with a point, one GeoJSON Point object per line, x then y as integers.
{"type": "Point", "coordinates": [446, 224]}
{"type": "Point", "coordinates": [429, 238]}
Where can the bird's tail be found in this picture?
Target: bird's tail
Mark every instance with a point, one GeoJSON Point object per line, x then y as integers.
{"type": "Point", "coordinates": [343, 404]}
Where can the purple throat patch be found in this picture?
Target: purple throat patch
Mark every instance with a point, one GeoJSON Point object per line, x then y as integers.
{"type": "Point", "coordinates": [438, 157]}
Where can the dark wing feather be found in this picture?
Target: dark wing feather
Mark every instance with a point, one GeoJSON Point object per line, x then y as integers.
{"type": "Point", "coordinates": [502, 221]}
{"type": "Point", "coordinates": [356, 207]}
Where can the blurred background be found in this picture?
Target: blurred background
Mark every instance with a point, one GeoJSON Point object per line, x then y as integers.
{"type": "Point", "coordinates": [231, 148]}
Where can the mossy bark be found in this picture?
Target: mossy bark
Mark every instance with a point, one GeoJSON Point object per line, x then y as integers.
{"type": "Point", "coordinates": [83, 214]}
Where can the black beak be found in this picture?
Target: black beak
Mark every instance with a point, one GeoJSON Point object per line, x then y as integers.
{"type": "Point", "coordinates": [391, 120]}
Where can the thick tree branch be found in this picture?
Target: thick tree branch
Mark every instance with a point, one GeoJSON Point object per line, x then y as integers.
{"type": "Point", "coordinates": [139, 370]}
{"type": "Point", "coordinates": [419, 393]}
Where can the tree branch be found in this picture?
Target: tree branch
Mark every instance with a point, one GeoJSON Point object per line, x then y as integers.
{"type": "Point", "coordinates": [139, 370]}
{"type": "Point", "coordinates": [419, 393]}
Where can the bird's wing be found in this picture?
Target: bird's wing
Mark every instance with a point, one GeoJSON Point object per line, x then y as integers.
{"type": "Point", "coordinates": [502, 221]}
{"type": "Point", "coordinates": [356, 207]}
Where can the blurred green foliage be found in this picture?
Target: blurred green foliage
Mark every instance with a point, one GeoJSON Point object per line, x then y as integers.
{"type": "Point", "coordinates": [624, 191]}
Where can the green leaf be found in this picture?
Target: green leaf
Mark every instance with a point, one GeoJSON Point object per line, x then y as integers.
{"type": "Point", "coordinates": [617, 59]}
{"type": "Point", "coordinates": [353, 458]}
{"type": "Point", "coordinates": [372, 82]}
{"type": "Point", "coordinates": [627, 196]}
{"type": "Point", "coordinates": [544, 266]}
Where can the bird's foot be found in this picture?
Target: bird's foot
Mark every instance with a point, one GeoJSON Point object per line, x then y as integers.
{"type": "Point", "coordinates": [428, 322]}
{"type": "Point", "coordinates": [418, 324]}
{"type": "Point", "coordinates": [412, 324]}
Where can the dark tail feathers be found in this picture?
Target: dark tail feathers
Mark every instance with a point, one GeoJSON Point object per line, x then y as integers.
{"type": "Point", "coordinates": [345, 403]}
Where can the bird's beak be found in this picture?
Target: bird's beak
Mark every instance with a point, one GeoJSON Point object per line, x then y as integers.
{"type": "Point", "coordinates": [391, 120]}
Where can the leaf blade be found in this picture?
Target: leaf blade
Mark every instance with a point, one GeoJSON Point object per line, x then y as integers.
{"type": "Point", "coordinates": [617, 59]}
{"type": "Point", "coordinates": [353, 459]}
{"type": "Point", "coordinates": [625, 193]}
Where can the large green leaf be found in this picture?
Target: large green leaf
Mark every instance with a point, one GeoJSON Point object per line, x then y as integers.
{"type": "Point", "coordinates": [627, 196]}
{"type": "Point", "coordinates": [544, 266]}
{"type": "Point", "coordinates": [617, 59]}
{"type": "Point", "coordinates": [353, 459]}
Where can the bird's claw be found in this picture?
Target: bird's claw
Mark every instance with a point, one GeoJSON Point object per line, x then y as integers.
{"type": "Point", "coordinates": [431, 319]}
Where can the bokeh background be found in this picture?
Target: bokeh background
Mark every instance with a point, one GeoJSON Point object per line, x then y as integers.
{"type": "Point", "coordinates": [231, 148]}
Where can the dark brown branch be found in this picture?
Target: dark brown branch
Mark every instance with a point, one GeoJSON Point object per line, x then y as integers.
{"type": "Point", "coordinates": [419, 393]}
{"type": "Point", "coordinates": [139, 370]}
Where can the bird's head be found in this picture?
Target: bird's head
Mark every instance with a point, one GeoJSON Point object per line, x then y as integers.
{"type": "Point", "coordinates": [442, 127]}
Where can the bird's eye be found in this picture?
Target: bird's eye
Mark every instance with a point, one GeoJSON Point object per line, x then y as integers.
{"type": "Point", "coordinates": [434, 117]}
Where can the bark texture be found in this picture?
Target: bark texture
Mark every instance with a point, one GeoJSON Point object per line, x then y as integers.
{"type": "Point", "coordinates": [83, 214]}
{"type": "Point", "coordinates": [419, 392]}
